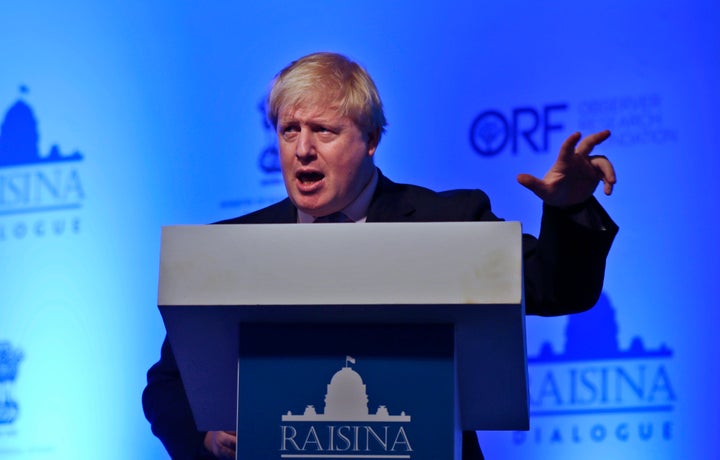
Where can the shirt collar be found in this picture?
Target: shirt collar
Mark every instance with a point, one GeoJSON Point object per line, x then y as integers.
{"type": "Point", "coordinates": [357, 210]}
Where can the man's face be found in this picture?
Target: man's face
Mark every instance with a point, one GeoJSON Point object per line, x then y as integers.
{"type": "Point", "coordinates": [326, 159]}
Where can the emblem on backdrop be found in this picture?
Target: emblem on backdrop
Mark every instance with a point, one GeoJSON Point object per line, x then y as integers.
{"type": "Point", "coordinates": [268, 165]}
{"type": "Point", "coordinates": [521, 129]}
{"type": "Point", "coordinates": [635, 120]}
{"type": "Point", "coordinates": [41, 193]}
{"type": "Point", "coordinates": [269, 160]}
{"type": "Point", "coordinates": [596, 391]}
{"type": "Point", "coordinates": [9, 361]}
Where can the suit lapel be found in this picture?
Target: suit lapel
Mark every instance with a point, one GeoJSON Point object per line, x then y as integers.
{"type": "Point", "coordinates": [284, 213]}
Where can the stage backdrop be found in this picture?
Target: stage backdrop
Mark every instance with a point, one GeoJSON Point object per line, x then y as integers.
{"type": "Point", "coordinates": [120, 117]}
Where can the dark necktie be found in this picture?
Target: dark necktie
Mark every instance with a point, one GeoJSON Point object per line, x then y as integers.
{"type": "Point", "coordinates": [336, 217]}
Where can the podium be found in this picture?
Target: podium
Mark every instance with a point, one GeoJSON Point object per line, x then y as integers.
{"type": "Point", "coordinates": [380, 340]}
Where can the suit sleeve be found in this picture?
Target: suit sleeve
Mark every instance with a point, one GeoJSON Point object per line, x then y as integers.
{"type": "Point", "coordinates": [564, 267]}
{"type": "Point", "coordinates": [167, 409]}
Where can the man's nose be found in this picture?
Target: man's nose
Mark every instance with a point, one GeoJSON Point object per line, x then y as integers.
{"type": "Point", "coordinates": [305, 149]}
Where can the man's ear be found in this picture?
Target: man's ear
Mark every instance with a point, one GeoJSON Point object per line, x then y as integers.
{"type": "Point", "coordinates": [373, 141]}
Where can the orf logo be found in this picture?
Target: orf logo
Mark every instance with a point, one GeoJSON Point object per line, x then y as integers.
{"type": "Point", "coordinates": [346, 426]}
{"type": "Point", "coordinates": [9, 360]}
{"type": "Point", "coordinates": [492, 131]}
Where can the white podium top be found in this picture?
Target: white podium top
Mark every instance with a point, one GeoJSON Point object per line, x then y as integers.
{"type": "Point", "coordinates": [341, 264]}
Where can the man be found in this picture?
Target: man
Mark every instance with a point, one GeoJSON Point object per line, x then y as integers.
{"type": "Point", "coordinates": [329, 120]}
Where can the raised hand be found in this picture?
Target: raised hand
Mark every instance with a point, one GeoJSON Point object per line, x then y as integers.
{"type": "Point", "coordinates": [574, 176]}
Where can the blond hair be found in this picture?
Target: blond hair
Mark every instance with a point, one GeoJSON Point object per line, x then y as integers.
{"type": "Point", "coordinates": [329, 79]}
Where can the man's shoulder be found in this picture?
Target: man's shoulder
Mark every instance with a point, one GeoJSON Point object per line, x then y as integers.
{"type": "Point", "coordinates": [424, 193]}
{"type": "Point", "coordinates": [425, 204]}
{"type": "Point", "coordinates": [444, 196]}
{"type": "Point", "coordinates": [281, 212]}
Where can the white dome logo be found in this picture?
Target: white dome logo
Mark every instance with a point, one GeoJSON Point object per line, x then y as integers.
{"type": "Point", "coordinates": [346, 400]}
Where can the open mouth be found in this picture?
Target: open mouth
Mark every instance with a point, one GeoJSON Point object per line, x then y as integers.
{"type": "Point", "coordinates": [309, 177]}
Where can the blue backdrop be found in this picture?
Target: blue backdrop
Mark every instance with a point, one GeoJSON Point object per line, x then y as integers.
{"type": "Point", "coordinates": [121, 117]}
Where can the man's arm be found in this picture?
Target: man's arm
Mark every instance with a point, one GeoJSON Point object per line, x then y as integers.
{"type": "Point", "coordinates": [167, 409]}
{"type": "Point", "coordinates": [565, 267]}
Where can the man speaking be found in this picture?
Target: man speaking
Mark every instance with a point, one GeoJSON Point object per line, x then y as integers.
{"type": "Point", "coordinates": [329, 120]}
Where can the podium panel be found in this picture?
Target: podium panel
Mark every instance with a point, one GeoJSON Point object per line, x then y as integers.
{"type": "Point", "coordinates": [358, 391]}
{"type": "Point", "coordinates": [230, 294]}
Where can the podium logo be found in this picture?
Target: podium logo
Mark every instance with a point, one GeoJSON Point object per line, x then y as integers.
{"type": "Point", "coordinates": [529, 128]}
{"type": "Point", "coordinates": [346, 427]}
{"type": "Point", "coordinates": [39, 193]}
{"type": "Point", "coordinates": [597, 392]}
{"type": "Point", "coordinates": [9, 360]}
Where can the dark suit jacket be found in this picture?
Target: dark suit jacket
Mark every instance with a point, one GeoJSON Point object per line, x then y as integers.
{"type": "Point", "coordinates": [563, 273]}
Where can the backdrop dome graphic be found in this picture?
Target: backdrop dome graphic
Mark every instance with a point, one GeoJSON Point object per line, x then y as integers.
{"type": "Point", "coordinates": [19, 139]}
{"type": "Point", "coordinates": [593, 335]}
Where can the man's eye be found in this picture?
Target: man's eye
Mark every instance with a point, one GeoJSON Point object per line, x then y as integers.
{"type": "Point", "coordinates": [289, 131]}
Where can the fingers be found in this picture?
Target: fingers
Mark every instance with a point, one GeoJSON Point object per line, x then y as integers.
{"type": "Point", "coordinates": [575, 175]}
{"type": "Point", "coordinates": [221, 444]}
{"type": "Point", "coordinates": [607, 172]}
{"type": "Point", "coordinates": [228, 439]}
{"type": "Point", "coordinates": [588, 144]}
{"type": "Point", "coordinates": [567, 149]}
{"type": "Point", "coordinates": [571, 146]}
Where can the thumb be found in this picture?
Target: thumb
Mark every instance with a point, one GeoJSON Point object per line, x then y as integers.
{"type": "Point", "coordinates": [531, 182]}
